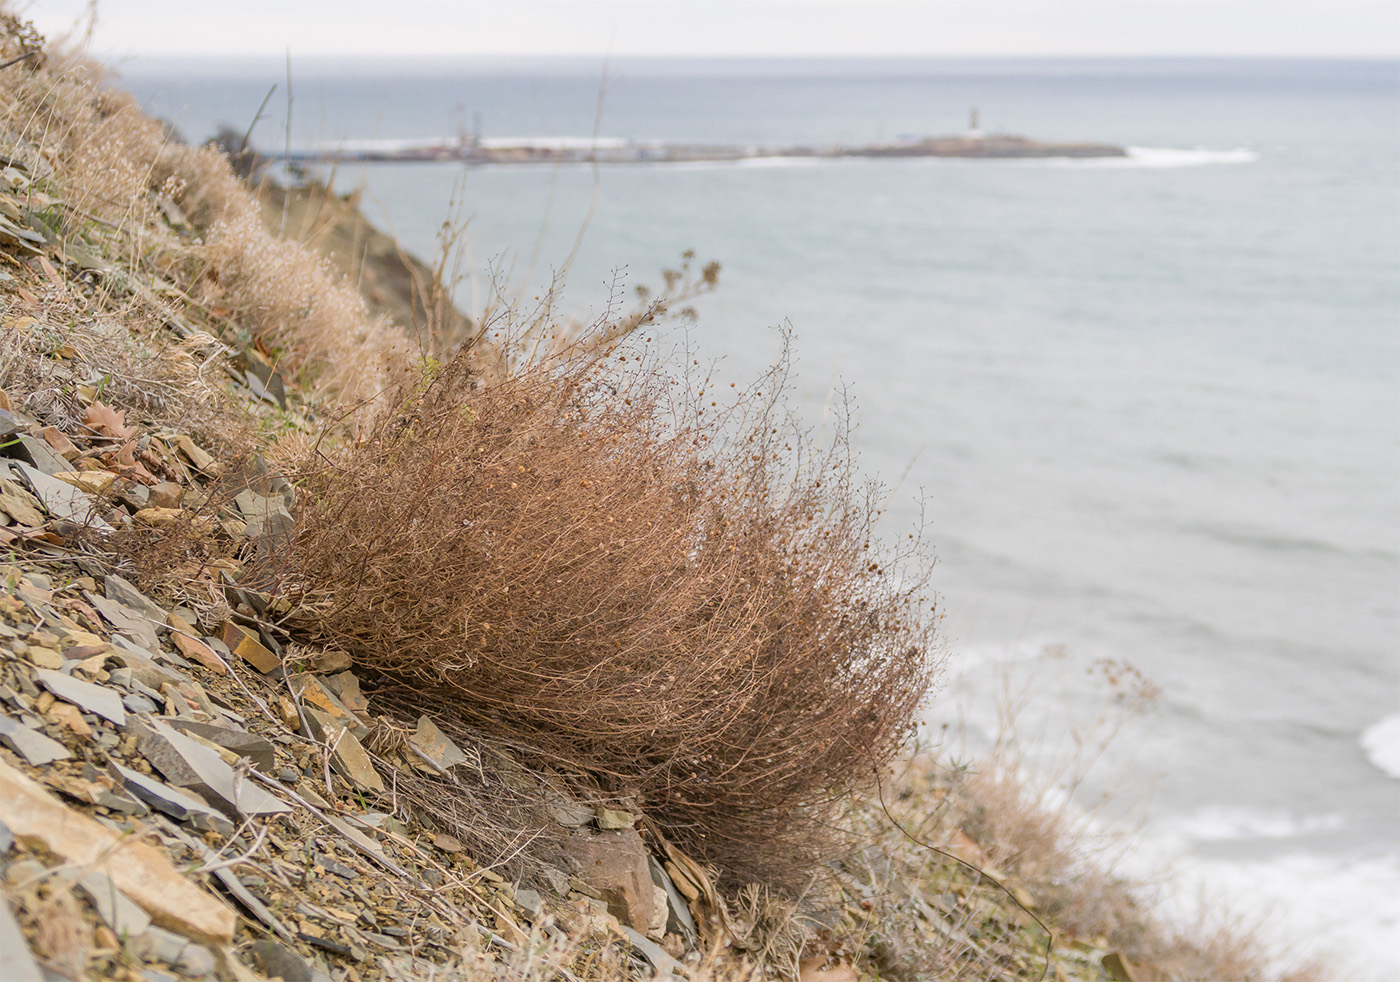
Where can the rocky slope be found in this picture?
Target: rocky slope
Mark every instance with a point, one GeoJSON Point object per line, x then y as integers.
{"type": "Point", "coordinates": [187, 789]}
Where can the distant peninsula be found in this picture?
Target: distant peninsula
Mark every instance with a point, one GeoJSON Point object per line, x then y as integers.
{"type": "Point", "coordinates": [471, 148]}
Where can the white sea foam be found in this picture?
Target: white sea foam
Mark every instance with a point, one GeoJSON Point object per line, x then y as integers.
{"type": "Point", "coordinates": [1381, 741]}
{"type": "Point", "coordinates": [1345, 911]}
{"type": "Point", "coordinates": [1198, 157]}
{"type": "Point", "coordinates": [1236, 824]}
{"type": "Point", "coordinates": [1161, 157]}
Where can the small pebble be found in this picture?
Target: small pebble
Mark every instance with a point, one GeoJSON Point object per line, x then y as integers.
{"type": "Point", "coordinates": [161, 945]}
{"type": "Point", "coordinates": [287, 775]}
{"type": "Point", "coordinates": [195, 962]}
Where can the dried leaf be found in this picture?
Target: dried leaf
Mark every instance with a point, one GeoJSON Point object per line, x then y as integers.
{"type": "Point", "coordinates": [108, 421]}
{"type": "Point", "coordinates": [126, 459]}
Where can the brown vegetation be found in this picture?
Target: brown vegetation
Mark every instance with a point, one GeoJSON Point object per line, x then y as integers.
{"type": "Point", "coordinates": [176, 214]}
{"type": "Point", "coordinates": [598, 562]}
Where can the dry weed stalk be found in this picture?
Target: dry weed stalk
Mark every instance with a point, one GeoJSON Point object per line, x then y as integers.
{"type": "Point", "coordinates": [598, 562]}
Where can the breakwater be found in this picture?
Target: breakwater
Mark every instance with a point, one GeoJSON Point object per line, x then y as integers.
{"type": "Point", "coordinates": [586, 150]}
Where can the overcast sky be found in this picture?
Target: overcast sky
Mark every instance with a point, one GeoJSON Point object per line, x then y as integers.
{"type": "Point", "coordinates": [733, 27]}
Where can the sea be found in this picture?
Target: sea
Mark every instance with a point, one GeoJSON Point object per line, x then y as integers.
{"type": "Point", "coordinates": [1146, 409]}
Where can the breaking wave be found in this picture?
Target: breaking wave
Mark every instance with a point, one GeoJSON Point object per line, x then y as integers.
{"type": "Point", "coordinates": [1381, 741]}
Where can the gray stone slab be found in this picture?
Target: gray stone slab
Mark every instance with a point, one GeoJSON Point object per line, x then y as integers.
{"type": "Point", "coordinates": [678, 916]}
{"type": "Point", "coordinates": [127, 620]}
{"type": "Point", "coordinates": [189, 764]}
{"type": "Point", "coordinates": [117, 798]}
{"type": "Point", "coordinates": [436, 744]}
{"type": "Point", "coordinates": [654, 953]}
{"type": "Point", "coordinates": [179, 805]}
{"type": "Point", "coordinates": [42, 456]}
{"type": "Point", "coordinates": [59, 499]}
{"type": "Point", "coordinates": [118, 910]}
{"type": "Point", "coordinates": [138, 704]}
{"type": "Point", "coordinates": [146, 675]}
{"type": "Point", "coordinates": [10, 424]}
{"type": "Point", "coordinates": [124, 593]}
{"type": "Point", "coordinates": [89, 696]}
{"type": "Point", "coordinates": [16, 963]}
{"type": "Point", "coordinates": [161, 945]}
{"type": "Point", "coordinates": [348, 758]}
{"type": "Point", "coordinates": [32, 746]}
{"type": "Point", "coordinates": [265, 517]}
{"type": "Point", "coordinates": [255, 748]}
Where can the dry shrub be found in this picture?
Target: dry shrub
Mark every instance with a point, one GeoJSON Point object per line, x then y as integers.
{"type": "Point", "coordinates": [599, 562]}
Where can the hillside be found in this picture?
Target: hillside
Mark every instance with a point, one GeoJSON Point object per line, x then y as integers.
{"type": "Point", "coordinates": [269, 707]}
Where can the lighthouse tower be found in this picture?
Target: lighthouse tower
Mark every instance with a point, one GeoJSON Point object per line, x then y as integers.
{"type": "Point", "coordinates": [974, 129]}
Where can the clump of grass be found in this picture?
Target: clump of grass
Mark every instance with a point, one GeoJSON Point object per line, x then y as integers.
{"type": "Point", "coordinates": [183, 232]}
{"type": "Point", "coordinates": [597, 560]}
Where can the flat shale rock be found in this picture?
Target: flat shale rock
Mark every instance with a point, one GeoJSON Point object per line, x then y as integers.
{"type": "Point", "coordinates": [60, 500]}
{"type": "Point", "coordinates": [435, 744]}
{"type": "Point", "coordinates": [346, 687]}
{"type": "Point", "coordinates": [332, 661]}
{"type": "Point", "coordinates": [124, 593]}
{"type": "Point", "coordinates": [317, 694]}
{"type": "Point", "coordinates": [126, 620]}
{"type": "Point", "coordinates": [138, 870]}
{"type": "Point", "coordinates": [29, 744]}
{"type": "Point", "coordinates": [248, 646]}
{"type": "Point", "coordinates": [348, 758]}
{"type": "Point", "coordinates": [89, 695]}
{"type": "Point", "coordinates": [115, 908]}
{"type": "Point", "coordinates": [189, 764]}
{"type": "Point", "coordinates": [16, 963]}
{"type": "Point", "coordinates": [179, 805]}
{"type": "Point", "coordinates": [42, 456]}
{"type": "Point", "coordinates": [255, 748]}
{"type": "Point", "coordinates": [165, 495]}
{"type": "Point", "coordinates": [613, 818]}
{"type": "Point", "coordinates": [266, 518]}
{"type": "Point", "coordinates": [197, 651]}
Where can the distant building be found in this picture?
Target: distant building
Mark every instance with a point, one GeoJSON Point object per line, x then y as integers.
{"type": "Point", "coordinates": [974, 129]}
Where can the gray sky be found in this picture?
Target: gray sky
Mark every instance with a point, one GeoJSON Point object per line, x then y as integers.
{"type": "Point", "coordinates": [733, 27]}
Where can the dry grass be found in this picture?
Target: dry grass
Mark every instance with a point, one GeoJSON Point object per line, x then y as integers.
{"type": "Point", "coordinates": [598, 562]}
{"type": "Point", "coordinates": [955, 830]}
{"type": "Point", "coordinates": [184, 234]}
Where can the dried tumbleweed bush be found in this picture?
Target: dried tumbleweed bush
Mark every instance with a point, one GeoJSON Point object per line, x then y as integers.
{"type": "Point", "coordinates": [600, 563]}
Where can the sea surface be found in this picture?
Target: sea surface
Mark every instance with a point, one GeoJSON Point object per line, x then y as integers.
{"type": "Point", "coordinates": [1148, 409]}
